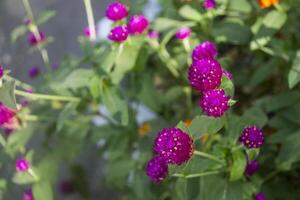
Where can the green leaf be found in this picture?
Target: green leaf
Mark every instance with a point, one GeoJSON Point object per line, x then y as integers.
{"type": "Point", "coordinates": [163, 24]}
{"type": "Point", "coordinates": [42, 191]}
{"type": "Point", "coordinates": [18, 32]}
{"type": "Point", "coordinates": [23, 178]}
{"type": "Point", "coordinates": [204, 124]}
{"type": "Point", "coordinates": [18, 140]}
{"type": "Point", "coordinates": [45, 16]}
{"type": "Point", "coordinates": [78, 78]}
{"type": "Point", "coordinates": [65, 114]}
{"type": "Point", "coordinates": [294, 74]}
{"type": "Point", "coordinates": [227, 86]}
{"type": "Point", "coordinates": [262, 73]}
{"type": "Point", "coordinates": [7, 94]}
{"type": "Point", "coordinates": [238, 165]}
{"type": "Point", "coordinates": [255, 116]}
{"type": "Point", "coordinates": [252, 153]}
{"type": "Point", "coordinates": [190, 13]}
{"type": "Point", "coordinates": [242, 6]}
{"type": "Point", "coordinates": [95, 86]}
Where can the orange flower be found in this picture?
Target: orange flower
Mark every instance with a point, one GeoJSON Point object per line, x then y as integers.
{"type": "Point", "coordinates": [267, 3]}
{"type": "Point", "coordinates": [144, 129]}
{"type": "Point", "coordinates": [187, 122]}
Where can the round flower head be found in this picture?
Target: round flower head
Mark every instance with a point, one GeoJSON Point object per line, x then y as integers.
{"type": "Point", "coordinates": [205, 74]}
{"type": "Point", "coordinates": [34, 40]}
{"type": "Point", "coordinates": [8, 117]}
{"type": "Point", "coordinates": [205, 50]}
{"type": "Point", "coordinates": [260, 196]}
{"type": "Point", "coordinates": [227, 74]}
{"type": "Point", "coordinates": [116, 11]}
{"type": "Point", "coordinates": [214, 102]}
{"type": "Point", "coordinates": [22, 165]}
{"type": "Point", "coordinates": [174, 145]}
{"type": "Point", "coordinates": [157, 169]}
{"type": "Point", "coordinates": [33, 72]}
{"type": "Point", "coordinates": [1, 71]}
{"type": "Point", "coordinates": [137, 25]}
{"type": "Point", "coordinates": [251, 168]}
{"type": "Point", "coordinates": [183, 33]}
{"type": "Point", "coordinates": [209, 4]}
{"type": "Point", "coordinates": [118, 34]}
{"type": "Point", "coordinates": [27, 195]}
{"type": "Point", "coordinates": [252, 137]}
{"type": "Point", "coordinates": [267, 3]}
{"type": "Point", "coordinates": [153, 34]}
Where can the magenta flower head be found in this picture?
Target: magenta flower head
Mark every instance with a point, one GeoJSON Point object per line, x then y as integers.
{"type": "Point", "coordinates": [183, 33]}
{"type": "Point", "coordinates": [66, 187]}
{"type": "Point", "coordinates": [22, 165]}
{"type": "Point", "coordinates": [118, 34]}
{"type": "Point", "coordinates": [227, 74]}
{"type": "Point", "coordinates": [214, 102]}
{"type": "Point", "coordinates": [260, 196]}
{"type": "Point", "coordinates": [251, 167]}
{"type": "Point", "coordinates": [1, 71]}
{"type": "Point", "coordinates": [27, 195]}
{"type": "Point", "coordinates": [34, 72]}
{"type": "Point", "coordinates": [34, 40]}
{"type": "Point", "coordinates": [8, 117]}
{"type": "Point", "coordinates": [137, 25]}
{"type": "Point", "coordinates": [88, 32]}
{"type": "Point", "coordinates": [205, 74]}
{"type": "Point", "coordinates": [116, 11]}
{"type": "Point", "coordinates": [252, 137]}
{"type": "Point", "coordinates": [153, 35]}
{"type": "Point", "coordinates": [209, 4]}
{"type": "Point", "coordinates": [157, 169]}
{"type": "Point", "coordinates": [174, 145]}
{"type": "Point", "coordinates": [205, 50]}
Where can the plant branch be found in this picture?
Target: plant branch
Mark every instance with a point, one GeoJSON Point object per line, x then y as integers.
{"type": "Point", "coordinates": [46, 97]}
{"type": "Point", "coordinates": [90, 19]}
{"type": "Point", "coordinates": [208, 156]}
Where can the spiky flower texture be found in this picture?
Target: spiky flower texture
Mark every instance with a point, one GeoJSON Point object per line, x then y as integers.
{"type": "Point", "coordinates": [157, 169]}
{"type": "Point", "coordinates": [252, 137]}
{"type": "Point", "coordinates": [116, 11]}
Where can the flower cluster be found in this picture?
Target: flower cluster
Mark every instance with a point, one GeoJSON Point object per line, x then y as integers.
{"type": "Point", "coordinates": [136, 25]}
{"type": "Point", "coordinates": [172, 146]}
{"type": "Point", "coordinates": [205, 76]}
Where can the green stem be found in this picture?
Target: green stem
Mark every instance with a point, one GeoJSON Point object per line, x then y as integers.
{"type": "Point", "coordinates": [208, 156]}
{"type": "Point", "coordinates": [30, 118]}
{"type": "Point", "coordinates": [28, 9]}
{"type": "Point", "coordinates": [18, 83]}
{"type": "Point", "coordinates": [90, 18]}
{"type": "Point", "coordinates": [46, 97]}
{"type": "Point", "coordinates": [180, 175]}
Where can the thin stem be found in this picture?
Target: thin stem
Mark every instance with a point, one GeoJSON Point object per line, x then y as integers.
{"type": "Point", "coordinates": [90, 18]}
{"type": "Point", "coordinates": [180, 175]}
{"type": "Point", "coordinates": [208, 156]}
{"type": "Point", "coordinates": [46, 97]}
{"type": "Point", "coordinates": [28, 9]}
{"type": "Point", "coordinates": [33, 118]}
{"type": "Point", "coordinates": [18, 83]}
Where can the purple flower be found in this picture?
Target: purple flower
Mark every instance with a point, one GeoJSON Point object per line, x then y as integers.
{"type": "Point", "coordinates": [205, 74]}
{"type": "Point", "coordinates": [34, 40]}
{"type": "Point", "coordinates": [66, 187]}
{"type": "Point", "coordinates": [215, 102]}
{"type": "Point", "coordinates": [1, 71]}
{"type": "Point", "coordinates": [116, 11]}
{"type": "Point", "coordinates": [205, 50]}
{"type": "Point", "coordinates": [8, 117]}
{"type": "Point", "coordinates": [137, 25]}
{"type": "Point", "coordinates": [118, 34]}
{"type": "Point", "coordinates": [227, 74]}
{"type": "Point", "coordinates": [209, 4]}
{"type": "Point", "coordinates": [174, 145]}
{"type": "Point", "coordinates": [183, 33]}
{"type": "Point", "coordinates": [27, 195]}
{"type": "Point", "coordinates": [157, 169]}
{"type": "Point", "coordinates": [260, 196]}
{"type": "Point", "coordinates": [251, 168]}
{"type": "Point", "coordinates": [34, 72]}
{"type": "Point", "coordinates": [153, 34]}
{"type": "Point", "coordinates": [22, 165]}
{"type": "Point", "coordinates": [252, 137]}
{"type": "Point", "coordinates": [88, 32]}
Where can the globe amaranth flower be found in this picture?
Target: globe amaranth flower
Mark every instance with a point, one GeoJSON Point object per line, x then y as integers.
{"type": "Point", "coordinates": [33, 72]}
{"type": "Point", "coordinates": [116, 11]}
{"type": "Point", "coordinates": [251, 167]}
{"type": "Point", "coordinates": [214, 102]}
{"type": "Point", "coordinates": [88, 31]}
{"type": "Point", "coordinates": [153, 35]}
{"type": "Point", "coordinates": [252, 137]}
{"type": "Point", "coordinates": [205, 74]}
{"type": "Point", "coordinates": [227, 74]}
{"type": "Point", "coordinates": [209, 4]}
{"type": "Point", "coordinates": [118, 34]}
{"type": "Point", "coordinates": [8, 117]}
{"type": "Point", "coordinates": [27, 195]}
{"type": "Point", "coordinates": [183, 33]}
{"type": "Point", "coordinates": [22, 165]}
{"type": "Point", "coordinates": [267, 3]}
{"type": "Point", "coordinates": [1, 71]}
{"type": "Point", "coordinates": [137, 25]}
{"type": "Point", "coordinates": [36, 39]}
{"type": "Point", "coordinates": [260, 196]}
{"type": "Point", "coordinates": [174, 145]}
{"type": "Point", "coordinates": [157, 169]}
{"type": "Point", "coordinates": [66, 187]}
{"type": "Point", "coordinates": [205, 50]}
